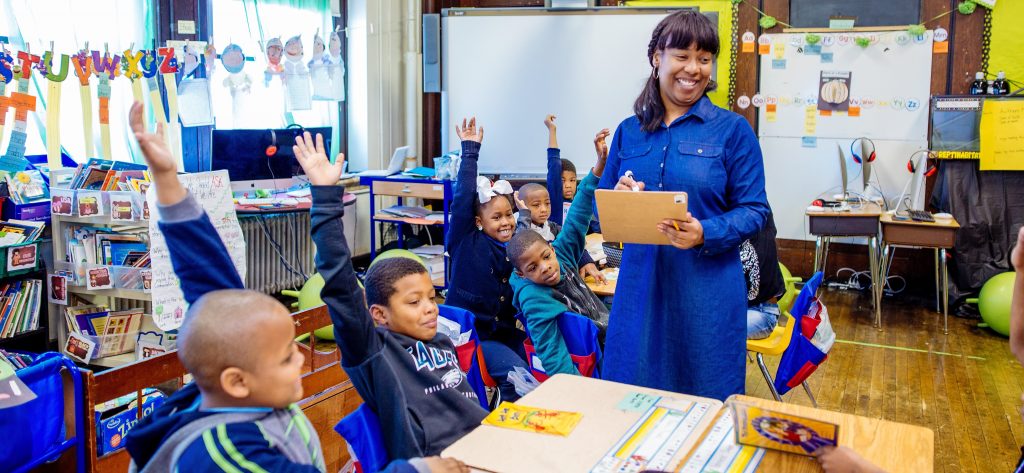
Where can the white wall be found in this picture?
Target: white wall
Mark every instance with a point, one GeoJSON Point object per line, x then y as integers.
{"type": "Point", "coordinates": [384, 62]}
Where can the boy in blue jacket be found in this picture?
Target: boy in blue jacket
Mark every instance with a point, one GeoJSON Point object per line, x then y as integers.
{"type": "Point", "coordinates": [240, 413]}
{"type": "Point", "coordinates": [405, 370]}
{"type": "Point", "coordinates": [546, 283]}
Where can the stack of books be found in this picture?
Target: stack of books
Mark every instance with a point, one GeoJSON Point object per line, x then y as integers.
{"type": "Point", "coordinates": [407, 211]}
{"type": "Point", "coordinates": [16, 232]}
{"type": "Point", "coordinates": [116, 332]}
{"type": "Point", "coordinates": [105, 175]}
{"type": "Point", "coordinates": [101, 245]}
{"type": "Point", "coordinates": [26, 187]}
{"type": "Point", "coordinates": [19, 306]}
{"type": "Point", "coordinates": [433, 257]}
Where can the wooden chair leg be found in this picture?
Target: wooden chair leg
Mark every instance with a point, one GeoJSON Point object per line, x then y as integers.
{"type": "Point", "coordinates": [768, 378]}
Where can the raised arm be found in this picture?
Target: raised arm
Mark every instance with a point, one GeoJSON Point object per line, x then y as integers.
{"type": "Point", "coordinates": [554, 179]}
{"type": "Point", "coordinates": [463, 209]}
{"type": "Point", "coordinates": [198, 256]}
{"type": "Point", "coordinates": [353, 326]}
{"type": "Point", "coordinates": [572, 241]}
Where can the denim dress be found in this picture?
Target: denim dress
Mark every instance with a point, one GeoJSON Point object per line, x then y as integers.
{"type": "Point", "coordinates": [678, 322]}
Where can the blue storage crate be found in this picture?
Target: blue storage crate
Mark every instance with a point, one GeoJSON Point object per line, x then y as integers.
{"type": "Point", "coordinates": [42, 433]}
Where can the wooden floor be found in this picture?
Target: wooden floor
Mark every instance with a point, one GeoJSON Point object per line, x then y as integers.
{"type": "Point", "coordinates": [966, 386]}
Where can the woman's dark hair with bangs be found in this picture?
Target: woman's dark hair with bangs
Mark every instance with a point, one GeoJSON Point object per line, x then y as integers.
{"type": "Point", "coordinates": [678, 30]}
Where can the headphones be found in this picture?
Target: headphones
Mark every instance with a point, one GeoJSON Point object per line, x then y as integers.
{"type": "Point", "coordinates": [856, 157]}
{"type": "Point", "coordinates": [272, 148]}
{"type": "Point", "coordinates": [930, 170]}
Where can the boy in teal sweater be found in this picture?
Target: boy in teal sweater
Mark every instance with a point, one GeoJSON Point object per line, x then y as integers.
{"type": "Point", "coordinates": [545, 280]}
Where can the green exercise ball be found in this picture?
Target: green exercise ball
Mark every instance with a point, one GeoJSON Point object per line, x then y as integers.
{"type": "Point", "coordinates": [397, 253]}
{"type": "Point", "coordinates": [309, 297]}
{"type": "Point", "coordinates": [994, 302]}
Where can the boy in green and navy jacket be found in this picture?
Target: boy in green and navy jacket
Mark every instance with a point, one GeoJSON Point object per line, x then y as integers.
{"type": "Point", "coordinates": [546, 282]}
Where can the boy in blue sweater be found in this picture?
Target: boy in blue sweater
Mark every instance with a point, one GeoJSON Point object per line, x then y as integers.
{"type": "Point", "coordinates": [405, 370]}
{"type": "Point", "coordinates": [536, 202]}
{"type": "Point", "coordinates": [240, 413]}
{"type": "Point", "coordinates": [545, 281]}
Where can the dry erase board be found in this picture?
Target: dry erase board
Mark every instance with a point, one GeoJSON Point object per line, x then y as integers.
{"type": "Point", "coordinates": [889, 84]}
{"type": "Point", "coordinates": [511, 67]}
{"type": "Point", "coordinates": [880, 91]}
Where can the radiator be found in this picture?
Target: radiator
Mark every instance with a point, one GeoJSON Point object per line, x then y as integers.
{"type": "Point", "coordinates": [278, 251]}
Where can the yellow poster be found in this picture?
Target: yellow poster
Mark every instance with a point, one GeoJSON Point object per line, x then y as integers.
{"type": "Point", "coordinates": [1002, 135]}
{"type": "Point", "coordinates": [533, 419]}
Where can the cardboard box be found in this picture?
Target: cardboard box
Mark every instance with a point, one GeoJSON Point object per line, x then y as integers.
{"type": "Point", "coordinates": [115, 418]}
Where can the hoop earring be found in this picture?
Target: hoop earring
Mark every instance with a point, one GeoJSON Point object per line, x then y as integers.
{"type": "Point", "coordinates": [654, 72]}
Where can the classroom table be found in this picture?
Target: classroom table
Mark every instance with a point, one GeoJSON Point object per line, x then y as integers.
{"type": "Point", "coordinates": [611, 276]}
{"type": "Point", "coordinates": [608, 419]}
{"type": "Point", "coordinates": [939, 236]}
{"type": "Point", "coordinates": [859, 221]}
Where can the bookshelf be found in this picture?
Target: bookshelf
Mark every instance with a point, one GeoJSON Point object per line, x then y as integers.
{"type": "Point", "coordinates": [36, 339]}
{"type": "Point", "coordinates": [116, 299]}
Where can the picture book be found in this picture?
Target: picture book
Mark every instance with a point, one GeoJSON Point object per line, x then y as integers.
{"type": "Point", "coordinates": [765, 428]}
{"type": "Point", "coordinates": [533, 419]}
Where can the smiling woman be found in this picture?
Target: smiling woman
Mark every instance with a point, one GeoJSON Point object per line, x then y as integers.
{"type": "Point", "coordinates": [679, 318]}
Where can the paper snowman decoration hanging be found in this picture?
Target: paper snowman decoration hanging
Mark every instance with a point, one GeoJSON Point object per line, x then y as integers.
{"type": "Point", "coordinates": [319, 47]}
{"type": "Point", "coordinates": [293, 56]}
{"type": "Point", "coordinates": [274, 66]}
{"type": "Point", "coordinates": [233, 60]}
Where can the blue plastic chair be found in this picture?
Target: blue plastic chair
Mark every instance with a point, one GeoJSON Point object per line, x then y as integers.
{"type": "Point", "coordinates": [361, 429]}
{"type": "Point", "coordinates": [40, 423]}
{"type": "Point", "coordinates": [581, 339]}
{"type": "Point", "coordinates": [469, 362]}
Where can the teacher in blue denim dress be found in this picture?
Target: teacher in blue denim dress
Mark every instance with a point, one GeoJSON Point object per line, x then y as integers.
{"type": "Point", "coordinates": [679, 318]}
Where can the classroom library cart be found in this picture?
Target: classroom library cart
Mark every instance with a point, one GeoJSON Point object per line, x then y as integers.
{"type": "Point", "coordinates": [402, 188]}
{"type": "Point", "coordinates": [116, 298]}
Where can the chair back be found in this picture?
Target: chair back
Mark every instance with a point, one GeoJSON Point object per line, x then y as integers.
{"type": "Point", "coordinates": [361, 430]}
{"type": "Point", "coordinates": [469, 362]}
{"type": "Point", "coordinates": [581, 339]}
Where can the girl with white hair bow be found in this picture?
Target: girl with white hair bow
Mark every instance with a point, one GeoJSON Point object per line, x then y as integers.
{"type": "Point", "coordinates": [480, 225]}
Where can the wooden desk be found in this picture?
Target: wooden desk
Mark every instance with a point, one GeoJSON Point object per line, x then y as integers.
{"type": "Point", "coordinates": [892, 446]}
{"type": "Point", "coordinates": [861, 221]}
{"type": "Point", "coordinates": [607, 289]}
{"type": "Point", "coordinates": [939, 236]}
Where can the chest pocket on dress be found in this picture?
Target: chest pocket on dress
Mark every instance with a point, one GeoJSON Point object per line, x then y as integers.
{"type": "Point", "coordinates": [632, 160]}
{"type": "Point", "coordinates": [696, 164]}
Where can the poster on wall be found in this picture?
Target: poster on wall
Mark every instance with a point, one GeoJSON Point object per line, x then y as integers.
{"type": "Point", "coordinates": [213, 192]}
{"type": "Point", "coordinates": [834, 91]}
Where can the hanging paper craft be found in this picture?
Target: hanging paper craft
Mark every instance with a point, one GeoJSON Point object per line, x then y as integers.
{"type": "Point", "coordinates": [103, 93]}
{"type": "Point", "coordinates": [834, 91]}
{"type": "Point", "coordinates": [337, 70]}
{"type": "Point", "coordinates": [194, 103]}
{"type": "Point", "coordinates": [191, 60]}
{"type": "Point", "coordinates": [232, 58]}
{"type": "Point", "coordinates": [296, 78]}
{"type": "Point", "coordinates": [319, 73]}
{"type": "Point", "coordinates": [274, 66]}
{"type": "Point", "coordinates": [82, 63]}
{"type": "Point", "coordinates": [209, 55]}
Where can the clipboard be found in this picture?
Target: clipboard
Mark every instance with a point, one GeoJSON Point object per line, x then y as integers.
{"type": "Point", "coordinates": [633, 217]}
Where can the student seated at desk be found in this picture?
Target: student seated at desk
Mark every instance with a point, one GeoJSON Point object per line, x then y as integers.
{"type": "Point", "coordinates": [404, 370]}
{"type": "Point", "coordinates": [764, 281]}
{"type": "Point", "coordinates": [546, 283]}
{"type": "Point", "coordinates": [239, 345]}
{"type": "Point", "coordinates": [480, 225]}
{"type": "Point", "coordinates": [535, 203]}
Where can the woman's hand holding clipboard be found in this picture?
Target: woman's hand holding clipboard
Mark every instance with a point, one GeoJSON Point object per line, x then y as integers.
{"type": "Point", "coordinates": [652, 217]}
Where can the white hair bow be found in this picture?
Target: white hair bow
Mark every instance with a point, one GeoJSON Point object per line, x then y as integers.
{"type": "Point", "coordinates": [485, 190]}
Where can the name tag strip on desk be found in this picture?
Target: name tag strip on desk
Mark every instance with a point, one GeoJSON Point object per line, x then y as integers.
{"type": "Point", "coordinates": [719, 451]}
{"type": "Point", "coordinates": [655, 439]}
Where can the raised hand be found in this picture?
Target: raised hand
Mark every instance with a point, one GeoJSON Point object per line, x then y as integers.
{"type": "Point", "coordinates": [469, 131]}
{"type": "Point", "coordinates": [162, 166]}
{"type": "Point", "coordinates": [519, 202]}
{"type": "Point", "coordinates": [153, 145]}
{"type": "Point", "coordinates": [549, 121]}
{"type": "Point", "coordinates": [601, 147]}
{"type": "Point", "coordinates": [314, 162]}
